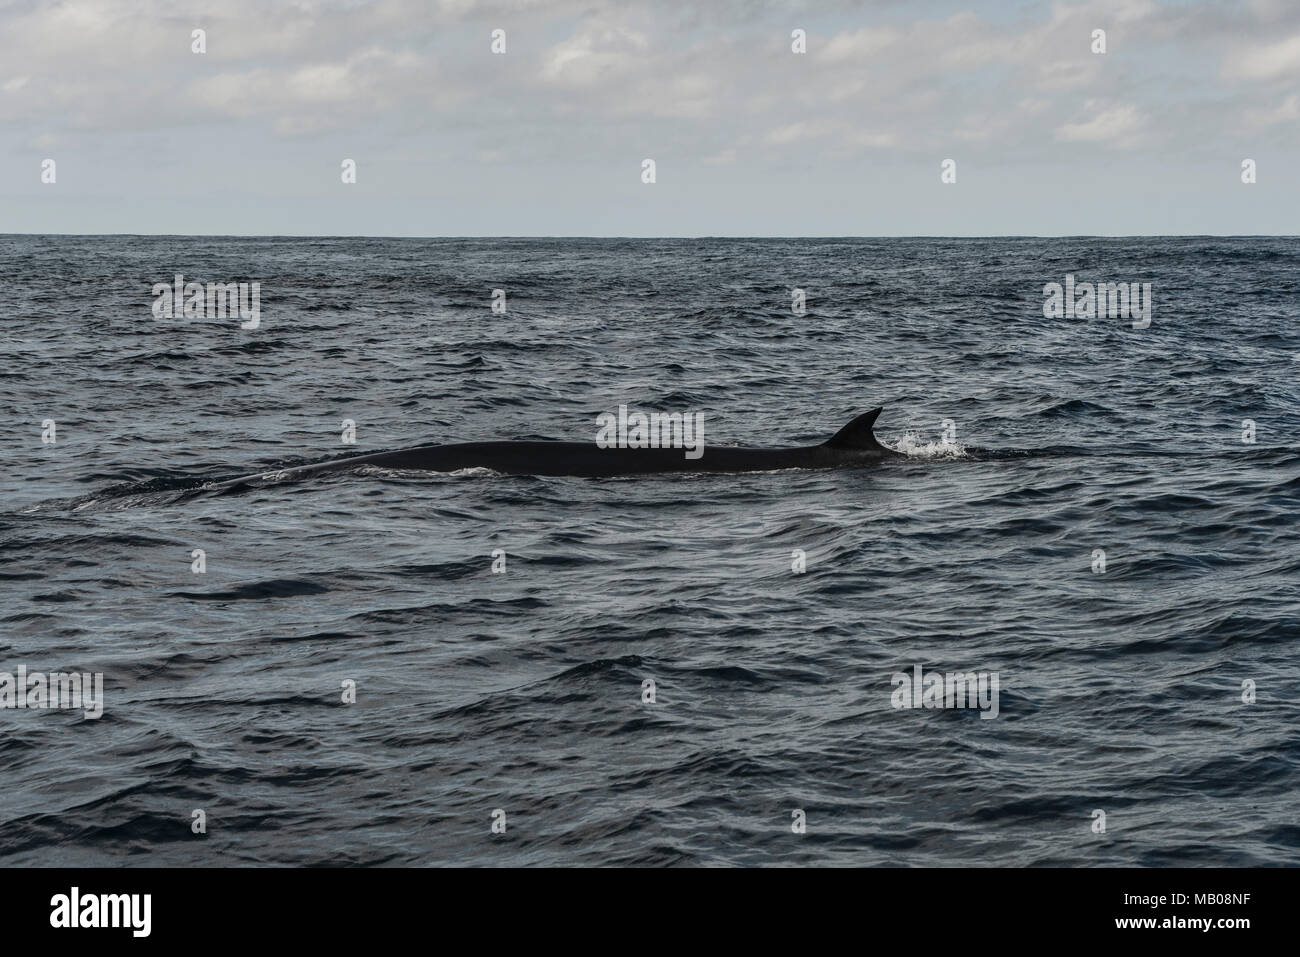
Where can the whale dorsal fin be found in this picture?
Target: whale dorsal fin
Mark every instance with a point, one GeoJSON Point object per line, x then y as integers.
{"type": "Point", "coordinates": [857, 434]}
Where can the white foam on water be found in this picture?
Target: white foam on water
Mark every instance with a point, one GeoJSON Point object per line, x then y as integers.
{"type": "Point", "coordinates": [419, 473]}
{"type": "Point", "coordinates": [476, 470]}
{"type": "Point", "coordinates": [915, 446]}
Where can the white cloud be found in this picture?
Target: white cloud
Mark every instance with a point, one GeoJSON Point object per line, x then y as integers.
{"type": "Point", "coordinates": [1265, 61]}
{"type": "Point", "coordinates": [860, 46]}
{"type": "Point", "coordinates": [1115, 127]}
{"type": "Point", "coordinates": [1288, 111]}
{"type": "Point", "coordinates": [597, 53]}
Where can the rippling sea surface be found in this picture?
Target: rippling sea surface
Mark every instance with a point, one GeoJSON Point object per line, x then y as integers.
{"type": "Point", "coordinates": [1120, 690]}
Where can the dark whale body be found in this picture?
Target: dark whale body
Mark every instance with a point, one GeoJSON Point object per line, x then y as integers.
{"type": "Point", "coordinates": [852, 446]}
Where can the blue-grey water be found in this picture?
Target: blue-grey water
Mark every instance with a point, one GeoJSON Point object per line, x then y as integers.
{"type": "Point", "coordinates": [1121, 690]}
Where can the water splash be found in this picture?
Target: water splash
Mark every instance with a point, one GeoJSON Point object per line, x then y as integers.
{"type": "Point", "coordinates": [915, 446]}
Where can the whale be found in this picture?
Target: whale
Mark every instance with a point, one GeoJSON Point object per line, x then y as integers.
{"type": "Point", "coordinates": [853, 446]}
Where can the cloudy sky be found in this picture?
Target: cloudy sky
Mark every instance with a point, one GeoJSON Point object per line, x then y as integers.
{"type": "Point", "coordinates": [748, 138]}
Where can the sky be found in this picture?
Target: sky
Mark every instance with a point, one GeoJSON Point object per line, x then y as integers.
{"type": "Point", "coordinates": [748, 137]}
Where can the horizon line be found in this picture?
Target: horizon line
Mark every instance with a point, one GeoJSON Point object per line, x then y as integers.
{"type": "Point", "coordinates": [663, 237]}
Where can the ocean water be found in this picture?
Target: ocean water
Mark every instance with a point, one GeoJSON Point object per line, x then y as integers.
{"type": "Point", "coordinates": [1120, 690]}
